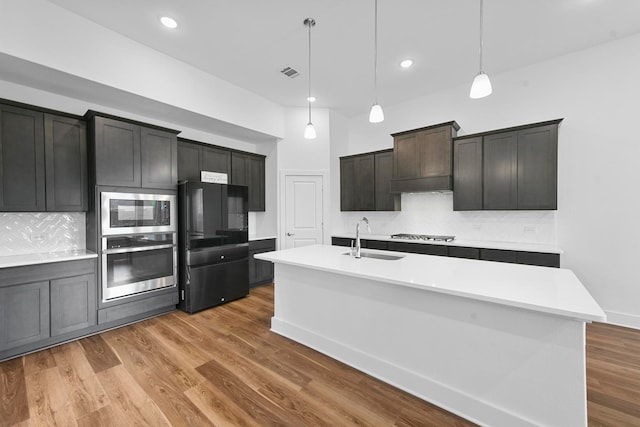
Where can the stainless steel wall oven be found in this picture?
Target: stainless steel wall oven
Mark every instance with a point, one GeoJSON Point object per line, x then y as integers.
{"type": "Point", "coordinates": [138, 243]}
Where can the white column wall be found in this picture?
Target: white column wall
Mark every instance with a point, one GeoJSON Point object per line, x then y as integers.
{"type": "Point", "coordinates": [299, 155]}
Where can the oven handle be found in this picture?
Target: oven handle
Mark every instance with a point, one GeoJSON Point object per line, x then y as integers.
{"type": "Point", "coordinates": [137, 249]}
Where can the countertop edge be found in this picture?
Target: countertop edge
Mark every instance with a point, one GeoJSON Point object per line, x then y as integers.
{"type": "Point", "coordinates": [9, 261]}
{"type": "Point", "coordinates": [583, 316]}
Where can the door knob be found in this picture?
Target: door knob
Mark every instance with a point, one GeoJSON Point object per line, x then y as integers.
{"type": "Point", "coordinates": [290, 234]}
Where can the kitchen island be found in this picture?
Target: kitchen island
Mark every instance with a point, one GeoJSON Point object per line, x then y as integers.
{"type": "Point", "coordinates": [499, 344]}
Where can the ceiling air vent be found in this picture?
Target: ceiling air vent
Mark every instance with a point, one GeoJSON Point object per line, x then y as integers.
{"type": "Point", "coordinates": [290, 72]}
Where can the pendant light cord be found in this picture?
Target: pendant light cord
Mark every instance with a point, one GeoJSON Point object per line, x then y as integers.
{"type": "Point", "coordinates": [375, 53]}
{"type": "Point", "coordinates": [481, 33]}
{"type": "Point", "coordinates": [310, 23]}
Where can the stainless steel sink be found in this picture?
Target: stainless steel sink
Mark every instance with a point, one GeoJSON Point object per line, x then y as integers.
{"type": "Point", "coordinates": [377, 256]}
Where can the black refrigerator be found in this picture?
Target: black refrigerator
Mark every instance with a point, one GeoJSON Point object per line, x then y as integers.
{"type": "Point", "coordinates": [213, 235]}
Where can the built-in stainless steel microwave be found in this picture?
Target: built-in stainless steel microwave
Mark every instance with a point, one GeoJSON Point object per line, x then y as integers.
{"type": "Point", "coordinates": [129, 213]}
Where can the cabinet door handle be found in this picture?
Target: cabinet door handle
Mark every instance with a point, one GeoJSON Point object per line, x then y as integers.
{"type": "Point", "coordinates": [290, 234]}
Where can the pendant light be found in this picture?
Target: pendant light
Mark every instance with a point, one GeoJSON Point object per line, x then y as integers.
{"type": "Point", "coordinates": [309, 131]}
{"type": "Point", "coordinates": [375, 115]}
{"type": "Point", "coordinates": [481, 86]}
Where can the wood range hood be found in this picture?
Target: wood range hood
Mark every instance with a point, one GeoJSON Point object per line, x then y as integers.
{"type": "Point", "coordinates": [422, 159]}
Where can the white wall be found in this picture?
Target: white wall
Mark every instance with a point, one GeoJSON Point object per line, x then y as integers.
{"type": "Point", "coordinates": [596, 91]}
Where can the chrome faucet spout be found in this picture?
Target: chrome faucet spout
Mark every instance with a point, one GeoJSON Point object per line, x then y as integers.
{"type": "Point", "coordinates": [358, 247]}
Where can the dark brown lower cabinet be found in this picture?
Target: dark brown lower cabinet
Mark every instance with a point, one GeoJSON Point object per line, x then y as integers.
{"type": "Point", "coordinates": [45, 304]}
{"type": "Point", "coordinates": [73, 303]}
{"type": "Point", "coordinates": [376, 244]}
{"type": "Point", "coordinates": [498, 255]}
{"type": "Point", "coordinates": [24, 314]}
{"type": "Point", "coordinates": [260, 272]}
{"type": "Point", "coordinates": [341, 241]}
{"type": "Point", "coordinates": [464, 252]}
{"type": "Point", "coordinates": [419, 248]}
{"type": "Point", "coordinates": [538, 258]}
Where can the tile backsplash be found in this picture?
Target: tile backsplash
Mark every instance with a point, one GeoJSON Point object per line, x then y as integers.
{"type": "Point", "coordinates": [36, 232]}
{"type": "Point", "coordinates": [432, 213]}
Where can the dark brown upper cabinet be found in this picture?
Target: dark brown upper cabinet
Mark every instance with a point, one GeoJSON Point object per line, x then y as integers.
{"type": "Point", "coordinates": [508, 169]}
{"type": "Point", "coordinates": [500, 174]}
{"type": "Point", "coordinates": [43, 160]}
{"type": "Point", "coordinates": [242, 168]}
{"type": "Point", "coordinates": [132, 154]}
{"type": "Point", "coordinates": [188, 161]}
{"type": "Point", "coordinates": [22, 172]}
{"type": "Point", "coordinates": [365, 181]}
{"type": "Point", "coordinates": [467, 174]}
{"type": "Point", "coordinates": [194, 158]}
{"type": "Point", "coordinates": [423, 158]}
{"type": "Point", "coordinates": [159, 158]}
{"type": "Point", "coordinates": [216, 160]}
{"type": "Point", "coordinates": [538, 167]}
{"type": "Point", "coordinates": [65, 141]}
{"type": "Point", "coordinates": [383, 173]}
{"type": "Point", "coordinates": [357, 187]}
{"type": "Point", "coordinates": [248, 169]}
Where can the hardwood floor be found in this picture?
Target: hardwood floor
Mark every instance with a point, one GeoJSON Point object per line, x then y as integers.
{"type": "Point", "coordinates": [613, 375]}
{"type": "Point", "coordinates": [224, 367]}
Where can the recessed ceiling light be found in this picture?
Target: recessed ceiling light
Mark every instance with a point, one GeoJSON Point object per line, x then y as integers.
{"type": "Point", "coordinates": [169, 22]}
{"type": "Point", "coordinates": [311, 99]}
{"type": "Point", "coordinates": [406, 63]}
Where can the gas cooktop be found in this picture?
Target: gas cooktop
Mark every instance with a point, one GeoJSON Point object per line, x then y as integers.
{"type": "Point", "coordinates": [423, 237]}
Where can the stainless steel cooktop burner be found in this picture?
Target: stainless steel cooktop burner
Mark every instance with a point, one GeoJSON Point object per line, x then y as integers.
{"type": "Point", "coordinates": [434, 238]}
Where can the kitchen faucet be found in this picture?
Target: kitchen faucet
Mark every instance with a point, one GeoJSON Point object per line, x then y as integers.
{"type": "Point", "coordinates": [366, 221]}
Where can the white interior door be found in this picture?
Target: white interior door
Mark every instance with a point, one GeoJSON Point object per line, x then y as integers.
{"type": "Point", "coordinates": [303, 210]}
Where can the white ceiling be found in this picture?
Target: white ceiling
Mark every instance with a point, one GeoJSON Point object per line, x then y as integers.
{"type": "Point", "coordinates": [248, 42]}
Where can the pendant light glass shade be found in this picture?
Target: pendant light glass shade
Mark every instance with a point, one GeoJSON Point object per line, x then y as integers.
{"type": "Point", "coordinates": [481, 85]}
{"type": "Point", "coordinates": [376, 115]}
{"type": "Point", "coordinates": [309, 130]}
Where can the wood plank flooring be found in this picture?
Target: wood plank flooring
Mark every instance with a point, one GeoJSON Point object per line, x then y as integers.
{"type": "Point", "coordinates": [224, 367]}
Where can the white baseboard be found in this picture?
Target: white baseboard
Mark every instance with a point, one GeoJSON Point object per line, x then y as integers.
{"type": "Point", "coordinates": [623, 319]}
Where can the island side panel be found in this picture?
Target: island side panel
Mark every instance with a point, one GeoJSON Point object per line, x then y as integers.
{"type": "Point", "coordinates": [493, 364]}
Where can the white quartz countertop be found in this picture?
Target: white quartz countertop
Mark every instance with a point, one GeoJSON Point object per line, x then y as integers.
{"type": "Point", "coordinates": [544, 289]}
{"type": "Point", "coordinates": [488, 244]}
{"type": "Point", "coordinates": [45, 257]}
